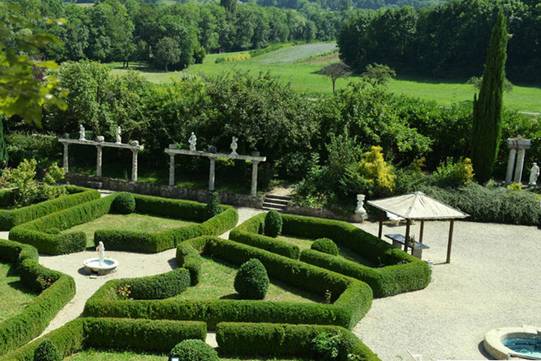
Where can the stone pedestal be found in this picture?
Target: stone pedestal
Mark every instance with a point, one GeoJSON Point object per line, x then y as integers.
{"type": "Point", "coordinates": [254, 178]}
{"type": "Point", "coordinates": [65, 160]}
{"type": "Point", "coordinates": [212, 174]}
{"type": "Point", "coordinates": [99, 160]}
{"type": "Point", "coordinates": [171, 169]}
{"type": "Point", "coordinates": [134, 165]}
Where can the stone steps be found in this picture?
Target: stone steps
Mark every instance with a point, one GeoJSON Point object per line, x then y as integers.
{"type": "Point", "coordinates": [276, 202]}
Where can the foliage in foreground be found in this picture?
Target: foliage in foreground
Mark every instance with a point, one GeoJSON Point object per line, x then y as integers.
{"type": "Point", "coordinates": [194, 350]}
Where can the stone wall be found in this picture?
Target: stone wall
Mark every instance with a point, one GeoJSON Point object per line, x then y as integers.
{"type": "Point", "coordinates": [323, 213]}
{"type": "Point", "coordinates": [200, 195]}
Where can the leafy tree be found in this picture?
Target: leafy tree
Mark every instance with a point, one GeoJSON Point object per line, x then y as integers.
{"type": "Point", "coordinates": [229, 5]}
{"type": "Point", "coordinates": [25, 83]}
{"type": "Point", "coordinates": [3, 147]}
{"type": "Point", "coordinates": [379, 73]}
{"type": "Point", "coordinates": [335, 71]}
{"type": "Point", "coordinates": [488, 107]}
{"type": "Point", "coordinates": [167, 52]}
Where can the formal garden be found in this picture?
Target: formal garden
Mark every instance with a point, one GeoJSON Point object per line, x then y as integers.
{"type": "Point", "coordinates": [232, 217]}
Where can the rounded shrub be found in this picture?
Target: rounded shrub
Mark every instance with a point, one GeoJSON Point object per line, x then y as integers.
{"type": "Point", "coordinates": [213, 204]}
{"type": "Point", "coordinates": [194, 350]}
{"type": "Point", "coordinates": [273, 224]}
{"type": "Point", "coordinates": [124, 203]}
{"type": "Point", "coordinates": [252, 280]}
{"type": "Point", "coordinates": [325, 245]}
{"type": "Point", "coordinates": [47, 351]}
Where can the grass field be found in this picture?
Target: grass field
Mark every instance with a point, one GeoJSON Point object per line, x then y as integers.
{"type": "Point", "coordinates": [14, 296]}
{"type": "Point", "coordinates": [91, 355]}
{"type": "Point", "coordinates": [299, 65]}
{"type": "Point", "coordinates": [132, 222]}
{"type": "Point", "coordinates": [217, 279]}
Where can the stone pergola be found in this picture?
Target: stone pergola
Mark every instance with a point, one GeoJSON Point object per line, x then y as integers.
{"type": "Point", "coordinates": [172, 151]}
{"type": "Point", "coordinates": [515, 163]}
{"type": "Point", "coordinates": [100, 144]}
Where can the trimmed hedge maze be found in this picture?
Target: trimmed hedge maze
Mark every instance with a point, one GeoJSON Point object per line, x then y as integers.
{"type": "Point", "coordinates": [160, 336]}
{"type": "Point", "coordinates": [55, 290]}
{"type": "Point", "coordinates": [44, 233]}
{"type": "Point", "coordinates": [350, 299]}
{"type": "Point", "coordinates": [10, 218]}
{"type": "Point", "coordinates": [399, 271]}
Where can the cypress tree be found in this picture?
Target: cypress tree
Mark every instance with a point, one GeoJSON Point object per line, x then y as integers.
{"type": "Point", "coordinates": [3, 146]}
{"type": "Point", "coordinates": [488, 106]}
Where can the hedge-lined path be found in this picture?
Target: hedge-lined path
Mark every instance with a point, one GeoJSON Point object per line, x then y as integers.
{"type": "Point", "coordinates": [130, 265]}
{"type": "Point", "coordinates": [493, 281]}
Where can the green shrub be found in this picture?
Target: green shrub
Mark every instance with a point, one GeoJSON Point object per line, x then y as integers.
{"type": "Point", "coordinates": [273, 224]}
{"type": "Point", "coordinates": [159, 286]}
{"type": "Point", "coordinates": [325, 245]}
{"type": "Point", "coordinates": [275, 340]}
{"type": "Point", "coordinates": [124, 203]}
{"type": "Point", "coordinates": [194, 350]}
{"type": "Point", "coordinates": [327, 346]}
{"type": "Point", "coordinates": [453, 174]}
{"type": "Point", "coordinates": [252, 280]}
{"type": "Point", "coordinates": [55, 290]}
{"type": "Point", "coordinates": [213, 204]}
{"type": "Point", "coordinates": [47, 351]}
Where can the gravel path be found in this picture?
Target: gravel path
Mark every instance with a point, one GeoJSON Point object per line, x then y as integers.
{"type": "Point", "coordinates": [493, 281]}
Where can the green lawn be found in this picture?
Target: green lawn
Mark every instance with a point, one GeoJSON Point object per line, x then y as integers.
{"type": "Point", "coordinates": [13, 294]}
{"type": "Point", "coordinates": [132, 222]}
{"type": "Point", "coordinates": [91, 355]}
{"type": "Point", "coordinates": [299, 65]}
{"type": "Point", "coordinates": [344, 252]}
{"type": "Point", "coordinates": [217, 279]}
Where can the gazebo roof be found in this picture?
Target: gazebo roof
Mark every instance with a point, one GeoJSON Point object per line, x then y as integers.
{"type": "Point", "coordinates": [418, 206]}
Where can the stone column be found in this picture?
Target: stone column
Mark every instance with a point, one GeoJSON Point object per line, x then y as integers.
{"type": "Point", "coordinates": [255, 163]}
{"type": "Point", "coordinates": [510, 165]}
{"type": "Point", "coordinates": [66, 158]}
{"type": "Point", "coordinates": [212, 175]}
{"type": "Point", "coordinates": [134, 165]}
{"type": "Point", "coordinates": [99, 160]}
{"type": "Point", "coordinates": [171, 169]}
{"type": "Point", "coordinates": [520, 165]}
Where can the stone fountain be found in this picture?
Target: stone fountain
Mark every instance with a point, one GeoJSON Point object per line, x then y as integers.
{"type": "Point", "coordinates": [100, 265]}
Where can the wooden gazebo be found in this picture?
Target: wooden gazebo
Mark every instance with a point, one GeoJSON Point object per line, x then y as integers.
{"type": "Point", "coordinates": [419, 207]}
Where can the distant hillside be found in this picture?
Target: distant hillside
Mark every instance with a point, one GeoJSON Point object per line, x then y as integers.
{"type": "Point", "coordinates": [346, 4]}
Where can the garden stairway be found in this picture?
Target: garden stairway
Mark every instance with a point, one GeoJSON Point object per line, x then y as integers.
{"type": "Point", "coordinates": [276, 202]}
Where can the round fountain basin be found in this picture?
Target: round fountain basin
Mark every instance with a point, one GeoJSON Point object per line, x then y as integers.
{"type": "Point", "coordinates": [517, 342]}
{"type": "Point", "coordinates": [101, 266]}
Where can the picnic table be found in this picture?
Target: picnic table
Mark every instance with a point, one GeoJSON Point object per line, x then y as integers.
{"type": "Point", "coordinates": [400, 240]}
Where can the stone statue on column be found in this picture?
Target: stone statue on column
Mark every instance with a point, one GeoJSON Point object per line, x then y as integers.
{"type": "Point", "coordinates": [534, 174]}
{"type": "Point", "coordinates": [82, 132]}
{"type": "Point", "coordinates": [118, 135]}
{"type": "Point", "coordinates": [193, 142]}
{"type": "Point", "coordinates": [234, 147]}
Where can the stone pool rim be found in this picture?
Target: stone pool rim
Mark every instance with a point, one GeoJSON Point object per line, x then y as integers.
{"type": "Point", "coordinates": [494, 341]}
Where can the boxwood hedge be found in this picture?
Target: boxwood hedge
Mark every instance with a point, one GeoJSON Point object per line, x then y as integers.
{"type": "Point", "coordinates": [10, 218]}
{"type": "Point", "coordinates": [285, 341]}
{"type": "Point", "coordinates": [55, 290]}
{"type": "Point", "coordinates": [351, 298]}
{"type": "Point", "coordinates": [44, 233]}
{"type": "Point", "coordinates": [399, 271]}
{"type": "Point", "coordinates": [157, 336]}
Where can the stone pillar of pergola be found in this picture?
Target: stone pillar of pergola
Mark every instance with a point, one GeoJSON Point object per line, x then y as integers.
{"type": "Point", "coordinates": [132, 145]}
{"type": "Point", "coordinates": [515, 162]}
{"type": "Point", "coordinates": [172, 151]}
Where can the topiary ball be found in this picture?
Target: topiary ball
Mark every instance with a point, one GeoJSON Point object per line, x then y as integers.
{"type": "Point", "coordinates": [325, 245]}
{"type": "Point", "coordinates": [194, 350]}
{"type": "Point", "coordinates": [124, 203]}
{"type": "Point", "coordinates": [47, 351]}
{"type": "Point", "coordinates": [252, 280]}
{"type": "Point", "coordinates": [273, 224]}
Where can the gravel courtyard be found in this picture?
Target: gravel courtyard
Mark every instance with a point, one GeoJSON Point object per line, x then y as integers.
{"type": "Point", "coordinates": [494, 280]}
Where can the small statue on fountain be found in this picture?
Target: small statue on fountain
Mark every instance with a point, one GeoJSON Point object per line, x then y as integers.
{"type": "Point", "coordinates": [82, 132]}
{"type": "Point", "coordinates": [234, 146]}
{"type": "Point", "coordinates": [193, 142]}
{"type": "Point", "coordinates": [101, 252]}
{"type": "Point", "coordinates": [118, 135]}
{"type": "Point", "coordinates": [534, 174]}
